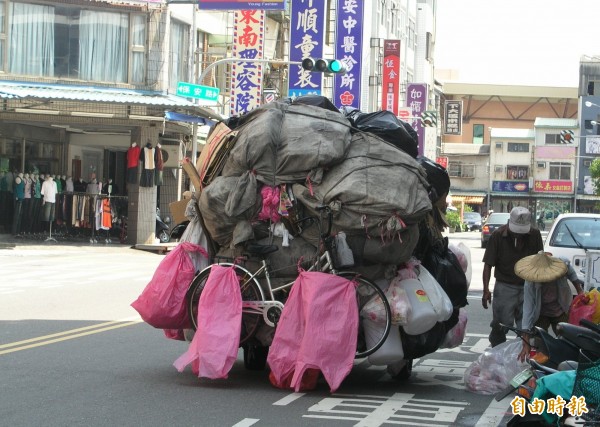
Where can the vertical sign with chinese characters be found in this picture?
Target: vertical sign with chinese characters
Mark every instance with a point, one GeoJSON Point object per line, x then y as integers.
{"type": "Point", "coordinates": [246, 77]}
{"type": "Point", "coordinates": [391, 76]}
{"type": "Point", "coordinates": [307, 36]}
{"type": "Point", "coordinates": [453, 117]}
{"type": "Point", "coordinates": [348, 49]}
{"type": "Point", "coordinates": [416, 99]}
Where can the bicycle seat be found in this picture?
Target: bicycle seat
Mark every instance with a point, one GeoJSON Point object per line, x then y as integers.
{"type": "Point", "coordinates": [261, 250]}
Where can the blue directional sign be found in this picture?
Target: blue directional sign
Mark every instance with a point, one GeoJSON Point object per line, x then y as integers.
{"type": "Point", "coordinates": [190, 90]}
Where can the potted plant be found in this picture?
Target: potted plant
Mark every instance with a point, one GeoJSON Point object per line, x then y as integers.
{"type": "Point", "coordinates": [454, 223]}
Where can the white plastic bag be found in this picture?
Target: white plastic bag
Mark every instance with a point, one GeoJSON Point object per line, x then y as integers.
{"type": "Point", "coordinates": [399, 302]}
{"type": "Point", "coordinates": [494, 368]}
{"type": "Point", "coordinates": [463, 254]}
{"type": "Point", "coordinates": [344, 255]}
{"type": "Point", "coordinates": [439, 299]}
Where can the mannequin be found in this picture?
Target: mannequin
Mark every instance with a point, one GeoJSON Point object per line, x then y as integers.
{"type": "Point", "coordinates": [69, 188]}
{"type": "Point", "coordinates": [159, 163]}
{"type": "Point", "coordinates": [92, 187]}
{"type": "Point", "coordinates": [63, 183]}
{"type": "Point", "coordinates": [48, 192]}
{"type": "Point", "coordinates": [133, 157]}
{"type": "Point", "coordinates": [80, 186]}
{"type": "Point", "coordinates": [36, 205]}
{"type": "Point", "coordinates": [147, 159]}
{"type": "Point", "coordinates": [19, 196]}
{"type": "Point", "coordinates": [8, 210]}
{"type": "Point", "coordinates": [3, 197]}
{"type": "Point", "coordinates": [26, 221]}
{"type": "Point", "coordinates": [58, 183]}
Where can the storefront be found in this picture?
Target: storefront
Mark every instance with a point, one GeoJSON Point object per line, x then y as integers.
{"type": "Point", "coordinates": [84, 133]}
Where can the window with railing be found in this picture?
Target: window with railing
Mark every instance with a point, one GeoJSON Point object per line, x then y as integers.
{"type": "Point", "coordinates": [45, 40]}
{"type": "Point", "coordinates": [178, 70]}
{"type": "Point", "coordinates": [552, 138]}
{"type": "Point", "coordinates": [517, 147]}
{"type": "Point", "coordinates": [559, 170]}
{"type": "Point", "coordinates": [517, 172]}
{"type": "Point", "coordinates": [461, 170]}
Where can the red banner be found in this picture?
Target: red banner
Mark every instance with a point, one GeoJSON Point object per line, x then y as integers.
{"type": "Point", "coordinates": [442, 161]}
{"type": "Point", "coordinates": [553, 186]}
{"type": "Point", "coordinates": [390, 98]}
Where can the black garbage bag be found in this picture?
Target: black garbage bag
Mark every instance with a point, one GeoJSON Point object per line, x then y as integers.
{"type": "Point", "coordinates": [445, 268]}
{"type": "Point", "coordinates": [388, 127]}
{"type": "Point", "coordinates": [437, 177]}
{"type": "Point", "coordinates": [317, 101]}
{"type": "Point", "coordinates": [415, 346]}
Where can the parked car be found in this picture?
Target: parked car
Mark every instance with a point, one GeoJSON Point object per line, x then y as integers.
{"type": "Point", "coordinates": [494, 221]}
{"type": "Point", "coordinates": [571, 236]}
{"type": "Point", "coordinates": [472, 220]}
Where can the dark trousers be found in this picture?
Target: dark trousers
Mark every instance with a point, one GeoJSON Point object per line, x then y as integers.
{"type": "Point", "coordinates": [17, 217]}
{"type": "Point", "coordinates": [507, 308]}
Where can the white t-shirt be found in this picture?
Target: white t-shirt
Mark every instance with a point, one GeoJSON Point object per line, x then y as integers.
{"type": "Point", "coordinates": [49, 190]}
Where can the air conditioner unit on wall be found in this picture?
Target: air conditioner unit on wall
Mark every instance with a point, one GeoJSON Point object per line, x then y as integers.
{"type": "Point", "coordinates": [587, 163]}
{"type": "Point", "coordinates": [498, 145]}
{"type": "Point", "coordinates": [171, 155]}
{"type": "Point", "coordinates": [541, 165]}
{"type": "Point", "coordinates": [498, 168]}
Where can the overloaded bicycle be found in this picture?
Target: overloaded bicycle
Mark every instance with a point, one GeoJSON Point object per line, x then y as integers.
{"type": "Point", "coordinates": [262, 303]}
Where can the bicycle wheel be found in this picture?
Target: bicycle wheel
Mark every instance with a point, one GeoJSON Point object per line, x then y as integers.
{"type": "Point", "coordinates": [250, 290]}
{"type": "Point", "coordinates": [365, 292]}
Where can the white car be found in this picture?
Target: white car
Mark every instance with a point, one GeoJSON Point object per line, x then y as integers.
{"type": "Point", "coordinates": [571, 236]}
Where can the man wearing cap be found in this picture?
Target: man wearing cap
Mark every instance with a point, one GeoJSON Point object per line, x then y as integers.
{"type": "Point", "coordinates": [507, 245]}
{"type": "Point", "coordinates": [547, 294]}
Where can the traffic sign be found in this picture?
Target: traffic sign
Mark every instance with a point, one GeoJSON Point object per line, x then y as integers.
{"type": "Point", "coordinates": [567, 136]}
{"type": "Point", "coordinates": [190, 90]}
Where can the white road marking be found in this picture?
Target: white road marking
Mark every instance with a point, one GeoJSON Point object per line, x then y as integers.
{"type": "Point", "coordinates": [246, 422]}
{"type": "Point", "coordinates": [289, 399]}
{"type": "Point", "coordinates": [371, 411]}
{"type": "Point", "coordinates": [495, 412]}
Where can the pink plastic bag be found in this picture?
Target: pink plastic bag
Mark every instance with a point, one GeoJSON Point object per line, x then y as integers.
{"type": "Point", "coordinates": [317, 330]}
{"type": "Point", "coordinates": [162, 303]}
{"type": "Point", "coordinates": [455, 336]}
{"type": "Point", "coordinates": [584, 306]}
{"type": "Point", "coordinates": [214, 348]}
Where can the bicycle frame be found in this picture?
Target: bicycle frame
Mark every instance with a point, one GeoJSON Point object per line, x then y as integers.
{"type": "Point", "coordinates": [324, 263]}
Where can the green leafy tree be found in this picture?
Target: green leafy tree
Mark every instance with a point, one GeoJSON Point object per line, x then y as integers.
{"type": "Point", "coordinates": [595, 174]}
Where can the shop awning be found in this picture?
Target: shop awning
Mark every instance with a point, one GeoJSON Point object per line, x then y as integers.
{"type": "Point", "coordinates": [27, 90]}
{"type": "Point", "coordinates": [186, 118]}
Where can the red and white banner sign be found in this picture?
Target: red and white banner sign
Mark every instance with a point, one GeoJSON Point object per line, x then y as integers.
{"type": "Point", "coordinates": [246, 77]}
{"type": "Point", "coordinates": [390, 96]}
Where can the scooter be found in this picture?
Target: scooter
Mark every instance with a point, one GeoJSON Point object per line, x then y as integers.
{"type": "Point", "coordinates": [162, 228]}
{"type": "Point", "coordinates": [177, 231]}
{"type": "Point", "coordinates": [553, 354]}
{"type": "Point", "coordinates": [586, 337]}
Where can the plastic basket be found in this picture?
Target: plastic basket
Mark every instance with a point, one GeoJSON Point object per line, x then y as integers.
{"type": "Point", "coordinates": [587, 384]}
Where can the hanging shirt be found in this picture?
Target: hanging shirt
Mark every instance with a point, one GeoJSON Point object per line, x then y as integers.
{"type": "Point", "coordinates": [133, 156]}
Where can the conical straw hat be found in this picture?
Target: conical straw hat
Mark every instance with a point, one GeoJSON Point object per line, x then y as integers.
{"type": "Point", "coordinates": [540, 268]}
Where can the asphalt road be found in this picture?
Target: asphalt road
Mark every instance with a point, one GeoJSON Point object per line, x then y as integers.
{"type": "Point", "coordinates": [73, 352]}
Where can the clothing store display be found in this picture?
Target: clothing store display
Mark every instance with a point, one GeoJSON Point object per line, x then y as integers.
{"type": "Point", "coordinates": [92, 187]}
{"type": "Point", "coordinates": [147, 159]}
{"type": "Point", "coordinates": [133, 156]}
{"type": "Point", "coordinates": [159, 164]}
